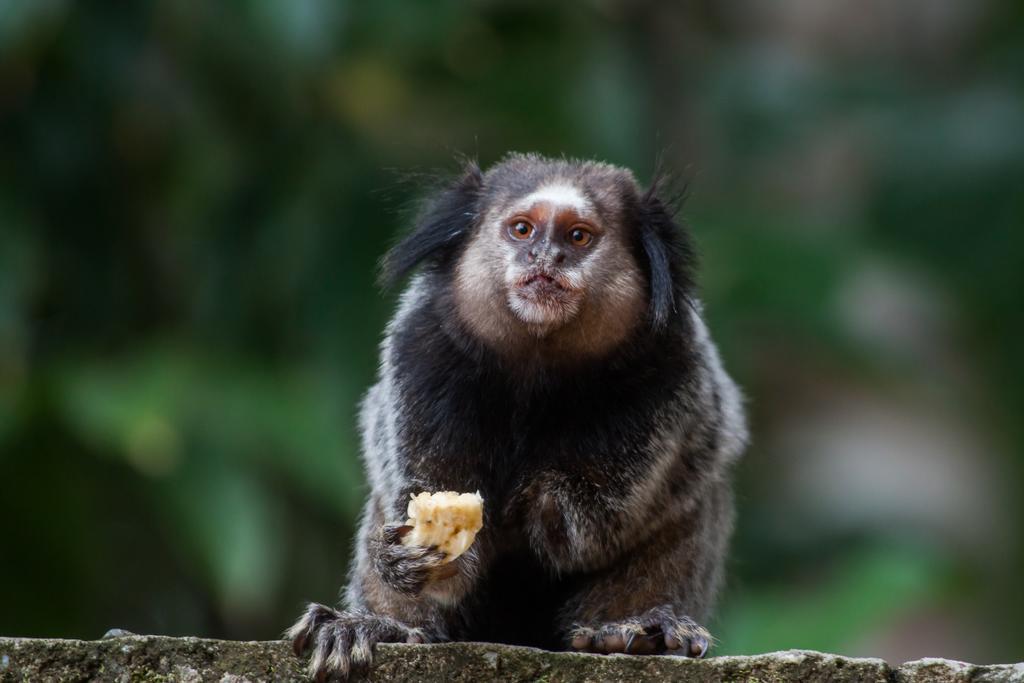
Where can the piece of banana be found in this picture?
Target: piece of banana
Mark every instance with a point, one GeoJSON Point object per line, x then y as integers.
{"type": "Point", "coordinates": [446, 519]}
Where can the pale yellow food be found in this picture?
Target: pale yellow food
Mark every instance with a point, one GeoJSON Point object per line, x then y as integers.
{"type": "Point", "coordinates": [446, 519]}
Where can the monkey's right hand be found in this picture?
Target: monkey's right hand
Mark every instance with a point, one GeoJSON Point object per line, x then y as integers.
{"type": "Point", "coordinates": [341, 643]}
{"type": "Point", "coordinates": [407, 569]}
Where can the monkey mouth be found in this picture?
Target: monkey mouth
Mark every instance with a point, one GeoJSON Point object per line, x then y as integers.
{"type": "Point", "coordinates": [542, 284]}
{"type": "Point", "coordinates": [544, 298]}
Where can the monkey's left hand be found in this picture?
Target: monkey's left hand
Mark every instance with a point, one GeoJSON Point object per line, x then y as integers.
{"type": "Point", "coordinates": [657, 631]}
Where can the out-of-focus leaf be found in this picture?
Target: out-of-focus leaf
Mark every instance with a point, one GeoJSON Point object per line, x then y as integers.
{"type": "Point", "coordinates": [231, 528]}
{"type": "Point", "coordinates": [861, 592]}
{"type": "Point", "coordinates": [19, 256]}
{"type": "Point", "coordinates": [159, 409]}
{"type": "Point", "coordinates": [20, 19]}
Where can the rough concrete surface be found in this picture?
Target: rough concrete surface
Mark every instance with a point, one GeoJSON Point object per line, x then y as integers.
{"type": "Point", "coordinates": [161, 658]}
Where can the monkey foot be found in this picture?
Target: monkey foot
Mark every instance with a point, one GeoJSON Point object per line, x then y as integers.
{"type": "Point", "coordinates": [655, 632]}
{"type": "Point", "coordinates": [341, 643]}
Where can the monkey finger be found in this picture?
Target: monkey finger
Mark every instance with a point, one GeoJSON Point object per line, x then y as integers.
{"type": "Point", "coordinates": [582, 639]}
{"type": "Point", "coordinates": [699, 647]}
{"type": "Point", "coordinates": [610, 642]}
{"type": "Point", "coordinates": [394, 533]}
{"type": "Point", "coordinates": [327, 639]}
{"type": "Point", "coordinates": [695, 648]}
{"type": "Point", "coordinates": [306, 628]}
{"type": "Point", "coordinates": [441, 563]}
{"type": "Point", "coordinates": [645, 644]}
{"type": "Point", "coordinates": [337, 662]}
{"type": "Point", "coordinates": [362, 652]}
{"type": "Point", "coordinates": [685, 634]}
{"type": "Point", "coordinates": [621, 637]}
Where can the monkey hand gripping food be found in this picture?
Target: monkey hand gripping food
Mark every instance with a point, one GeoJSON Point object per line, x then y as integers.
{"type": "Point", "coordinates": [446, 520]}
{"type": "Point", "coordinates": [551, 354]}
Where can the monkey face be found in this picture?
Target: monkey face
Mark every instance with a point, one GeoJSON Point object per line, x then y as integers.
{"type": "Point", "coordinates": [549, 258]}
{"type": "Point", "coordinates": [547, 239]}
{"type": "Point", "coordinates": [551, 262]}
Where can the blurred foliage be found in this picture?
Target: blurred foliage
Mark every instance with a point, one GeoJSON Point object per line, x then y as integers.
{"type": "Point", "coordinates": [193, 197]}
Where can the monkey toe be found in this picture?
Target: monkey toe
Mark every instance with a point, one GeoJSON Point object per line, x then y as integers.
{"type": "Point", "coordinates": [684, 637]}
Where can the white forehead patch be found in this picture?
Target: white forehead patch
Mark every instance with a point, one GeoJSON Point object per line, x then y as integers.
{"type": "Point", "coordinates": [559, 195]}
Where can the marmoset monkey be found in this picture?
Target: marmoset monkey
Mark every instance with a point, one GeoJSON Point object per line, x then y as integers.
{"type": "Point", "coordinates": [551, 354]}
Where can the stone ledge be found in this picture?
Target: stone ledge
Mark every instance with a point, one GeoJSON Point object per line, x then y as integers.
{"type": "Point", "coordinates": [161, 658]}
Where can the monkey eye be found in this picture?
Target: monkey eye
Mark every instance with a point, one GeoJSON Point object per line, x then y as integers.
{"type": "Point", "coordinates": [521, 230]}
{"type": "Point", "coordinates": [580, 237]}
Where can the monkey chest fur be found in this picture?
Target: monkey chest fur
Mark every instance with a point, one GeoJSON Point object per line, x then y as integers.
{"type": "Point", "coordinates": [469, 422]}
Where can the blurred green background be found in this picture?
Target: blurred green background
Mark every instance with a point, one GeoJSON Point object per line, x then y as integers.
{"type": "Point", "coordinates": [193, 197]}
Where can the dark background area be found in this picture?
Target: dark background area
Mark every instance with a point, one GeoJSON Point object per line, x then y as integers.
{"type": "Point", "coordinates": [193, 197]}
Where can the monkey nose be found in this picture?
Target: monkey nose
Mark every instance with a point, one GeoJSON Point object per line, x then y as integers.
{"type": "Point", "coordinates": [552, 256]}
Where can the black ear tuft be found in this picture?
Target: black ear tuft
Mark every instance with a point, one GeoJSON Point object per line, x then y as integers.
{"type": "Point", "coordinates": [671, 259]}
{"type": "Point", "coordinates": [442, 224]}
